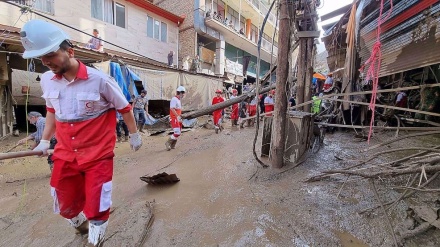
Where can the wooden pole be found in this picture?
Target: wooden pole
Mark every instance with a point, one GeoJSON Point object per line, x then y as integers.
{"type": "Point", "coordinates": [308, 73]}
{"type": "Point", "coordinates": [224, 104]}
{"type": "Point", "coordinates": [301, 73]}
{"type": "Point", "coordinates": [280, 116]}
{"type": "Point", "coordinates": [12, 155]}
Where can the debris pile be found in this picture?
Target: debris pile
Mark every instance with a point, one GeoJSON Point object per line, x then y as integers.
{"type": "Point", "coordinates": [161, 178]}
{"type": "Point", "coordinates": [408, 175]}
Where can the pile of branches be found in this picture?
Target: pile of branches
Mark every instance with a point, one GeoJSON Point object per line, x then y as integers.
{"type": "Point", "coordinates": [419, 170]}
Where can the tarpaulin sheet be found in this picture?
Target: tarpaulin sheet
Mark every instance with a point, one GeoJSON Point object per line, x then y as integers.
{"type": "Point", "coordinates": [116, 72]}
{"type": "Point", "coordinates": [161, 85]}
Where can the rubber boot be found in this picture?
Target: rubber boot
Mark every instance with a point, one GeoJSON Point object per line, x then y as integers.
{"type": "Point", "coordinates": [96, 234]}
{"type": "Point", "coordinates": [80, 224]}
{"type": "Point", "coordinates": [173, 144]}
{"type": "Point", "coordinates": [168, 144]}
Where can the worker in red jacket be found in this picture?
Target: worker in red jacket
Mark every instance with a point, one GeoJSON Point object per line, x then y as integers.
{"type": "Point", "coordinates": [217, 114]}
{"type": "Point", "coordinates": [81, 105]}
{"type": "Point", "coordinates": [269, 104]}
{"type": "Point", "coordinates": [234, 111]}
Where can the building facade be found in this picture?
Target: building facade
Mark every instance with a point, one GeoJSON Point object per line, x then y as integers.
{"type": "Point", "coordinates": [134, 25]}
{"type": "Point", "coordinates": [224, 35]}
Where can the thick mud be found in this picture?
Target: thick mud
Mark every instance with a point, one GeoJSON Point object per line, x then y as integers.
{"type": "Point", "coordinates": [224, 197]}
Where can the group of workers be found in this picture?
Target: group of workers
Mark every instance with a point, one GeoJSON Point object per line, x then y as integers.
{"type": "Point", "coordinates": [241, 111]}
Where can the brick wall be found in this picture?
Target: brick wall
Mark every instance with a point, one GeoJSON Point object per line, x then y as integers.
{"type": "Point", "coordinates": [187, 34]}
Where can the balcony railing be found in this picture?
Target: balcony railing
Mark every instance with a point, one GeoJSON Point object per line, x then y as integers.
{"type": "Point", "coordinates": [263, 9]}
{"type": "Point", "coordinates": [41, 5]}
{"type": "Point", "coordinates": [265, 44]}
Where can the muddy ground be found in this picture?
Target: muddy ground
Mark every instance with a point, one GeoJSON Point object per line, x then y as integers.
{"type": "Point", "coordinates": [223, 199]}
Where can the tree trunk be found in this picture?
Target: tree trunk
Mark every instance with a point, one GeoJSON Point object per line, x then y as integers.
{"type": "Point", "coordinates": [209, 109]}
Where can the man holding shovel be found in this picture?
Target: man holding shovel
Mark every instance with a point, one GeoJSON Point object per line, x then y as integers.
{"type": "Point", "coordinates": [81, 107]}
{"type": "Point", "coordinates": [39, 121]}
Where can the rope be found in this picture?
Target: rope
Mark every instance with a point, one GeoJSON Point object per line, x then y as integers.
{"type": "Point", "coordinates": [375, 63]}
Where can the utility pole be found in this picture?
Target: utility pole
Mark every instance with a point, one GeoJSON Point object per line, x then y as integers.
{"type": "Point", "coordinates": [280, 112]}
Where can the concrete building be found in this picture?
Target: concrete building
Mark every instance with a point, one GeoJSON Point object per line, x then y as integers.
{"type": "Point", "coordinates": [224, 34]}
{"type": "Point", "coordinates": [135, 25]}
{"type": "Point", "coordinates": [135, 32]}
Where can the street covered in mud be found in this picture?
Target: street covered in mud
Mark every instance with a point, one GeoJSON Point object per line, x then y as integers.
{"type": "Point", "coordinates": [224, 197]}
{"type": "Point", "coordinates": [220, 123]}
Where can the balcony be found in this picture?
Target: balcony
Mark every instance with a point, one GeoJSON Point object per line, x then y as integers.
{"type": "Point", "coordinates": [241, 41]}
{"type": "Point", "coordinates": [254, 10]}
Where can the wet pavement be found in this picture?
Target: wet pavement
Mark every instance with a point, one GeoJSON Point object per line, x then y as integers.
{"type": "Point", "coordinates": [224, 198]}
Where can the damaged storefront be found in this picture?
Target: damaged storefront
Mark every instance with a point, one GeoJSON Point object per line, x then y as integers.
{"type": "Point", "coordinates": [405, 41]}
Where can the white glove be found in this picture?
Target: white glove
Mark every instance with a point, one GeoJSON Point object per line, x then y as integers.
{"type": "Point", "coordinates": [135, 141]}
{"type": "Point", "coordinates": [179, 118]}
{"type": "Point", "coordinates": [43, 146]}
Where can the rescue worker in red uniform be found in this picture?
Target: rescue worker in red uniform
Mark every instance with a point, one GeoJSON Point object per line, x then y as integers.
{"type": "Point", "coordinates": [217, 114]}
{"type": "Point", "coordinates": [269, 104]}
{"type": "Point", "coordinates": [175, 118]}
{"type": "Point", "coordinates": [252, 110]}
{"type": "Point", "coordinates": [81, 107]}
{"type": "Point", "coordinates": [234, 111]}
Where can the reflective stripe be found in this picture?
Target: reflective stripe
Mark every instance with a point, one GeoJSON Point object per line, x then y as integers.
{"type": "Point", "coordinates": [56, 205]}
{"type": "Point", "coordinates": [106, 196]}
{"type": "Point", "coordinates": [83, 118]}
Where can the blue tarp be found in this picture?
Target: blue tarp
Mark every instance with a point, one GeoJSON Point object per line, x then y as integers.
{"type": "Point", "coordinates": [116, 72]}
{"type": "Point", "coordinates": [130, 77]}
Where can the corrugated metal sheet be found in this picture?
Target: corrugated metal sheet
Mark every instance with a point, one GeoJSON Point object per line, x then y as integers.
{"type": "Point", "coordinates": [410, 38]}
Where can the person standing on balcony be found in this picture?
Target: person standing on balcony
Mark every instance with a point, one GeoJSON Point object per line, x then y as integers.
{"type": "Point", "coordinates": [171, 59]}
{"type": "Point", "coordinates": [81, 105]}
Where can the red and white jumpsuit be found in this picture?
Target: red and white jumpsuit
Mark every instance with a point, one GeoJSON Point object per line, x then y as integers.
{"type": "Point", "coordinates": [85, 129]}
{"type": "Point", "coordinates": [217, 114]}
{"type": "Point", "coordinates": [234, 112]}
{"type": "Point", "coordinates": [175, 124]}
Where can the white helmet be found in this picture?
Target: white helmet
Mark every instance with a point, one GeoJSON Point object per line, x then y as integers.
{"type": "Point", "coordinates": [40, 38]}
{"type": "Point", "coordinates": [181, 89]}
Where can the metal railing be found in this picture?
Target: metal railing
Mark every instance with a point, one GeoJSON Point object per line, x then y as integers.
{"type": "Point", "coordinates": [41, 5]}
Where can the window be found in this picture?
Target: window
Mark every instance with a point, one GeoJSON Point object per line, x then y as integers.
{"type": "Point", "coordinates": [109, 11]}
{"type": "Point", "coordinates": [119, 15]}
{"type": "Point", "coordinates": [157, 29]}
{"type": "Point", "coordinates": [254, 33]}
{"type": "Point", "coordinates": [150, 23]}
{"type": "Point", "coordinates": [163, 32]}
{"type": "Point", "coordinates": [41, 5]}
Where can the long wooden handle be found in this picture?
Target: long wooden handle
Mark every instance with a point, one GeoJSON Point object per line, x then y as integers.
{"type": "Point", "coordinates": [12, 155]}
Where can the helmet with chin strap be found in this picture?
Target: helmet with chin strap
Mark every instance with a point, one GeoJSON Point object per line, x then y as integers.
{"type": "Point", "coordinates": [40, 38]}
